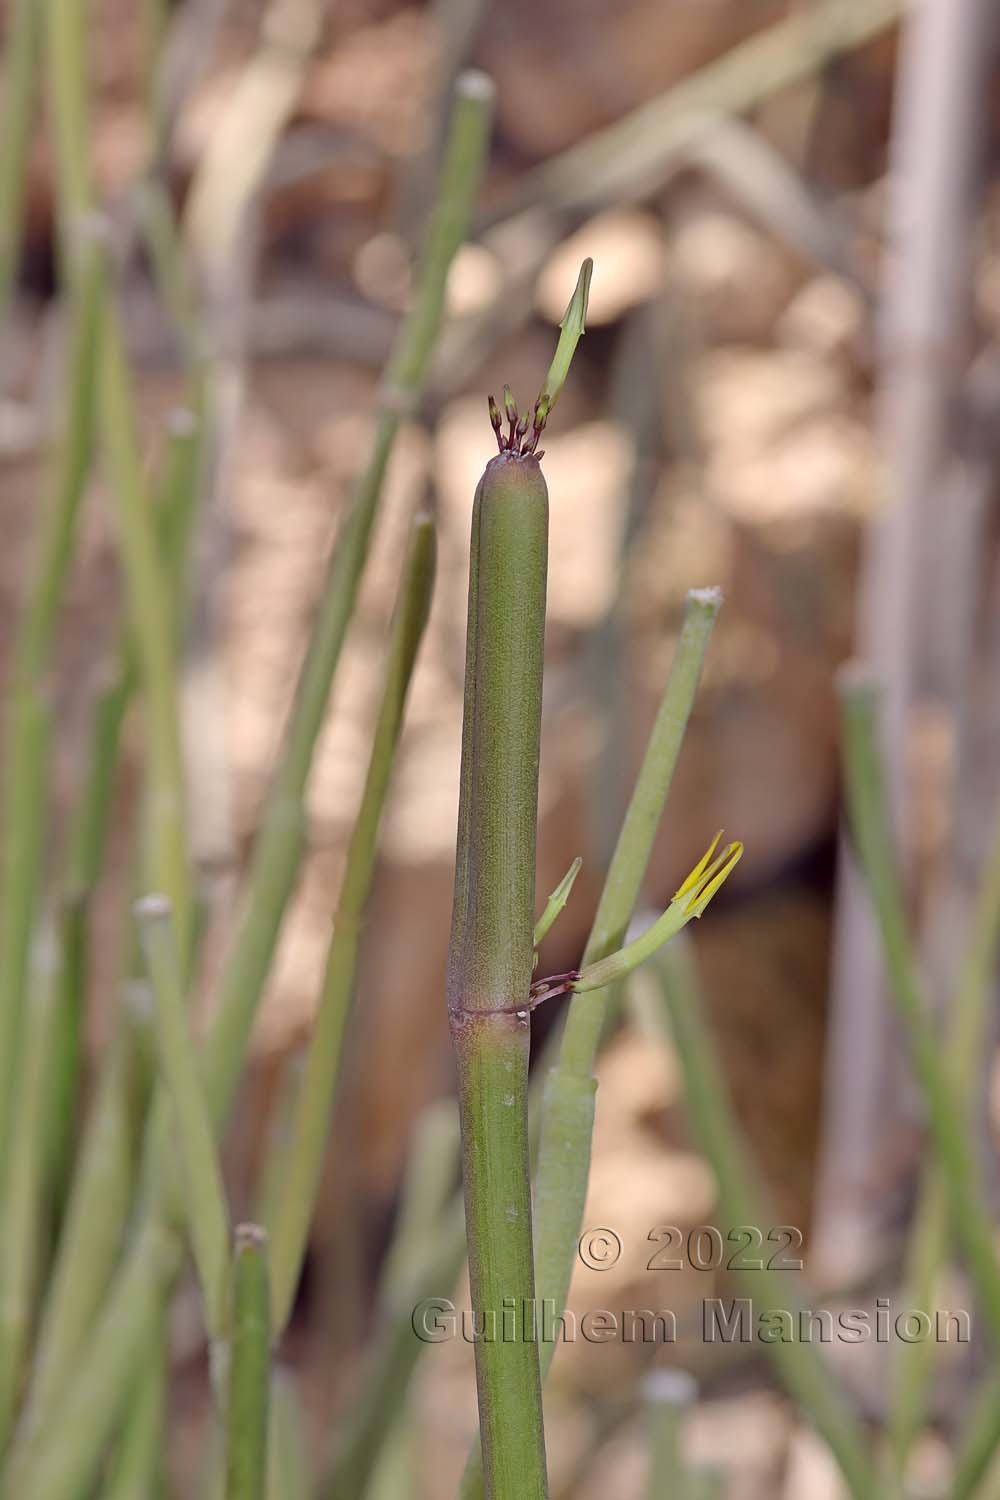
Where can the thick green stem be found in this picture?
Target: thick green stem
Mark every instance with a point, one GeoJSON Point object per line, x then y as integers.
{"type": "Point", "coordinates": [567, 1117]}
{"type": "Point", "coordinates": [306, 1148]}
{"type": "Point", "coordinates": [490, 958]}
{"type": "Point", "coordinates": [249, 1368]}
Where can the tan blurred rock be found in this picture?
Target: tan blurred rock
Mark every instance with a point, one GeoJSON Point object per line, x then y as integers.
{"type": "Point", "coordinates": [826, 318]}
{"type": "Point", "coordinates": [737, 279]}
{"type": "Point", "coordinates": [811, 1470]}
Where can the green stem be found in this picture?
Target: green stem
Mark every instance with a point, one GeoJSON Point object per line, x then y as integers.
{"type": "Point", "coordinates": [278, 846]}
{"type": "Point", "coordinates": [705, 1483]}
{"type": "Point", "coordinates": [137, 1472]}
{"type": "Point", "coordinates": [48, 1470]}
{"type": "Point", "coordinates": [947, 1119]}
{"type": "Point", "coordinates": [288, 1453]}
{"type": "Point", "coordinates": [27, 733]}
{"type": "Point", "coordinates": [668, 1396]}
{"type": "Point", "coordinates": [249, 1368]}
{"type": "Point", "coordinates": [28, 1182]}
{"type": "Point", "coordinates": [427, 1255]}
{"type": "Point", "coordinates": [23, 855]}
{"type": "Point", "coordinates": [207, 1215]}
{"type": "Point", "coordinates": [567, 1116]}
{"type": "Point", "coordinates": [928, 1246]}
{"type": "Point", "coordinates": [105, 1159]}
{"type": "Point", "coordinates": [556, 902]}
{"type": "Point", "coordinates": [490, 957]}
{"type": "Point", "coordinates": [21, 61]}
{"type": "Point", "coordinates": [568, 1108]}
{"type": "Point", "coordinates": [279, 843]}
{"type": "Point", "coordinates": [151, 618]}
{"type": "Point", "coordinates": [90, 1239]}
{"type": "Point", "coordinates": [289, 1226]}
{"type": "Point", "coordinates": [802, 1371]}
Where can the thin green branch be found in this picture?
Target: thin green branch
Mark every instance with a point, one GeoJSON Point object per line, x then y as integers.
{"type": "Point", "coordinates": [278, 847]}
{"type": "Point", "coordinates": [151, 617]}
{"type": "Point", "coordinates": [22, 49]}
{"type": "Point", "coordinates": [91, 1237]}
{"type": "Point", "coordinates": [25, 756]}
{"type": "Point", "coordinates": [556, 902]}
{"type": "Point", "coordinates": [28, 1182]}
{"type": "Point", "coordinates": [289, 1226]}
{"type": "Point", "coordinates": [427, 1254]}
{"type": "Point", "coordinates": [93, 1403]}
{"type": "Point", "coordinates": [929, 1237]}
{"type": "Point", "coordinates": [867, 801]}
{"type": "Point", "coordinates": [205, 1196]}
{"type": "Point", "coordinates": [571, 331]}
{"type": "Point", "coordinates": [692, 897]}
{"type": "Point", "coordinates": [803, 1372]}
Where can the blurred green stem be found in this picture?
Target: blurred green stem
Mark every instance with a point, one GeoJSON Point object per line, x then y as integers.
{"type": "Point", "coordinates": [206, 1212]}
{"type": "Point", "coordinates": [279, 842]}
{"type": "Point", "coordinates": [803, 1372]}
{"type": "Point", "coordinates": [249, 1368]}
{"type": "Point", "coordinates": [26, 748]}
{"type": "Point", "coordinates": [568, 1105]}
{"type": "Point", "coordinates": [22, 46]}
{"type": "Point", "coordinates": [947, 1119]}
{"type": "Point", "coordinates": [140, 1280]}
{"type": "Point", "coordinates": [668, 1396]}
{"type": "Point", "coordinates": [152, 623]}
{"type": "Point", "coordinates": [28, 1182]}
{"type": "Point", "coordinates": [289, 1226]}
{"type": "Point", "coordinates": [138, 1469]}
{"type": "Point", "coordinates": [928, 1246]}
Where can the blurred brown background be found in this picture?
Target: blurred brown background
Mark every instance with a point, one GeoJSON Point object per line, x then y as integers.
{"type": "Point", "coordinates": [719, 428]}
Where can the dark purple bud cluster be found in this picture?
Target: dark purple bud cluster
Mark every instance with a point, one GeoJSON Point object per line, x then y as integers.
{"type": "Point", "coordinates": [516, 439]}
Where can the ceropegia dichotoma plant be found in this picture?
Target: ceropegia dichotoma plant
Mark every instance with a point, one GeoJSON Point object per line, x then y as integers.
{"type": "Point", "coordinates": [489, 986]}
